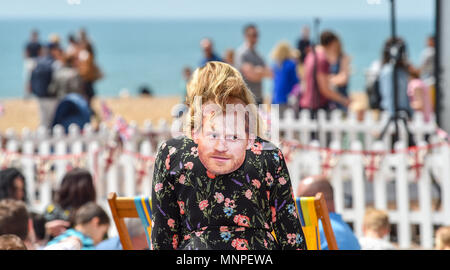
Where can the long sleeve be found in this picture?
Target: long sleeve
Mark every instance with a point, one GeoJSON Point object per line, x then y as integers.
{"type": "Point", "coordinates": [285, 221]}
{"type": "Point", "coordinates": [165, 211]}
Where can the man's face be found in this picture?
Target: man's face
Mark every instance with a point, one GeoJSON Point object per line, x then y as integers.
{"type": "Point", "coordinates": [252, 36]}
{"type": "Point", "coordinates": [221, 143]}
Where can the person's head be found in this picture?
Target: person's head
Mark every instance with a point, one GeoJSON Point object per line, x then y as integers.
{"type": "Point", "coordinates": [222, 134]}
{"type": "Point", "coordinates": [229, 56]}
{"type": "Point", "coordinates": [72, 39]}
{"type": "Point", "coordinates": [82, 34]}
{"type": "Point", "coordinates": [187, 72]}
{"type": "Point", "coordinates": [14, 218]}
{"type": "Point", "coordinates": [34, 35]}
{"type": "Point", "coordinates": [251, 34]}
{"type": "Point", "coordinates": [395, 48]}
{"type": "Point", "coordinates": [12, 185]}
{"type": "Point", "coordinates": [310, 186]}
{"type": "Point", "coordinates": [430, 41]}
{"type": "Point", "coordinates": [282, 52]}
{"type": "Point", "coordinates": [77, 188]}
{"type": "Point", "coordinates": [11, 242]}
{"type": "Point", "coordinates": [69, 60]}
{"type": "Point", "coordinates": [376, 223]}
{"type": "Point", "coordinates": [137, 233]}
{"type": "Point", "coordinates": [329, 41]}
{"type": "Point", "coordinates": [305, 32]}
{"type": "Point", "coordinates": [442, 240]}
{"type": "Point", "coordinates": [207, 46]}
{"type": "Point", "coordinates": [92, 220]}
{"type": "Point", "coordinates": [54, 38]}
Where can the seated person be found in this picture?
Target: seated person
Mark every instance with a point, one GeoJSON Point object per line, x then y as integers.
{"type": "Point", "coordinates": [375, 229]}
{"type": "Point", "coordinates": [345, 238]}
{"type": "Point", "coordinates": [91, 225]}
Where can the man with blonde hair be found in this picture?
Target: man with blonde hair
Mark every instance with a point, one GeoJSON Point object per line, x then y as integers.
{"type": "Point", "coordinates": [443, 238]}
{"type": "Point", "coordinates": [222, 187]}
{"type": "Point", "coordinates": [375, 229]}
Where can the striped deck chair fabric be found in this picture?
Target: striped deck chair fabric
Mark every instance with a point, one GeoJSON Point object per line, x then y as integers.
{"type": "Point", "coordinates": [144, 209]}
{"type": "Point", "coordinates": [308, 218]}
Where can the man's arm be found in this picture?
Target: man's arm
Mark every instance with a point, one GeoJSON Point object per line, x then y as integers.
{"type": "Point", "coordinates": [255, 73]}
{"type": "Point", "coordinates": [323, 82]}
{"type": "Point", "coordinates": [164, 204]}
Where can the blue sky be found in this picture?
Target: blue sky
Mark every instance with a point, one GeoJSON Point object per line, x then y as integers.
{"type": "Point", "coordinates": [241, 9]}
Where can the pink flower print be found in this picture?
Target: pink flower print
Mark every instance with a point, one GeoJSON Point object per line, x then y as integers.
{"type": "Point", "coordinates": [189, 165]}
{"type": "Point", "coordinates": [248, 194]}
{"type": "Point", "coordinates": [171, 223]}
{"type": "Point", "coordinates": [291, 238]}
{"type": "Point", "coordinates": [203, 204]}
{"type": "Point", "coordinates": [230, 203]}
{"type": "Point", "coordinates": [269, 178]}
{"type": "Point", "coordinates": [172, 150]}
{"type": "Point", "coordinates": [224, 228]}
{"type": "Point", "coordinates": [158, 187]}
{"type": "Point", "coordinates": [282, 180]}
{"type": "Point", "coordinates": [219, 197]}
{"type": "Point", "coordinates": [168, 162]}
{"type": "Point", "coordinates": [194, 151]}
{"type": "Point", "coordinates": [240, 244]}
{"type": "Point", "coordinates": [256, 183]}
{"type": "Point", "coordinates": [256, 148]}
{"type": "Point", "coordinates": [274, 214]}
{"type": "Point", "coordinates": [175, 241]}
{"type": "Point", "coordinates": [181, 205]}
{"type": "Point", "coordinates": [182, 179]}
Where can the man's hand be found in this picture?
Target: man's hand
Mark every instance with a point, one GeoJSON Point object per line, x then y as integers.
{"type": "Point", "coordinates": [56, 227]}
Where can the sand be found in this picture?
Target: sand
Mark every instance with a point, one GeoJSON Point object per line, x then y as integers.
{"type": "Point", "coordinates": [21, 113]}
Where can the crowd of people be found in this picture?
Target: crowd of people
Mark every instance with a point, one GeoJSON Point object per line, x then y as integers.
{"type": "Point", "coordinates": [72, 221]}
{"type": "Point", "coordinates": [55, 74]}
{"type": "Point", "coordinates": [316, 75]}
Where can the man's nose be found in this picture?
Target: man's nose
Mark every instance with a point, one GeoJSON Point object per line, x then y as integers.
{"type": "Point", "coordinates": [221, 145]}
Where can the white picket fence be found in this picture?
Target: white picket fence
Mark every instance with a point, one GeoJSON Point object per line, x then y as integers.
{"type": "Point", "coordinates": [394, 181]}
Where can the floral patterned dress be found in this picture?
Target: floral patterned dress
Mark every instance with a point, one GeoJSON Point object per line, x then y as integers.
{"type": "Point", "coordinates": [194, 209]}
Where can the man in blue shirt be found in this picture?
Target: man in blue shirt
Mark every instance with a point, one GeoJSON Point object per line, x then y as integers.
{"type": "Point", "coordinates": [345, 238]}
{"type": "Point", "coordinates": [208, 51]}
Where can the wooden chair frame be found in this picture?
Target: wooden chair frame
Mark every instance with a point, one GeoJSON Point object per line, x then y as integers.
{"type": "Point", "coordinates": [124, 207]}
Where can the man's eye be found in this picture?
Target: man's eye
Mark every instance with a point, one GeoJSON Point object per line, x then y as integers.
{"type": "Point", "coordinates": [232, 138]}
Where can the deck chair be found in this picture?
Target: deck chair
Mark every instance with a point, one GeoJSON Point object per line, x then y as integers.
{"type": "Point", "coordinates": [310, 211]}
{"type": "Point", "coordinates": [130, 207]}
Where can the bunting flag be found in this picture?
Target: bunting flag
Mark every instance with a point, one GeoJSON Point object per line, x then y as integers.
{"type": "Point", "coordinates": [106, 111]}
{"type": "Point", "coordinates": [142, 169]}
{"type": "Point", "coordinates": [372, 164]}
{"type": "Point", "coordinates": [416, 160]}
{"type": "Point", "coordinates": [329, 159]}
{"type": "Point", "coordinates": [125, 131]}
{"type": "Point", "coordinates": [43, 167]}
{"type": "Point", "coordinates": [109, 156]}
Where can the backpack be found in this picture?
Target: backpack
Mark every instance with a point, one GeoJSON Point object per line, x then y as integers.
{"type": "Point", "coordinates": [373, 93]}
{"type": "Point", "coordinates": [41, 76]}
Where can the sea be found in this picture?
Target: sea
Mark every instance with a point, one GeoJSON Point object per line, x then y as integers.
{"type": "Point", "coordinates": [153, 52]}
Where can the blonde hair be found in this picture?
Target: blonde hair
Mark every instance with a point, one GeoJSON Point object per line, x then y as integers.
{"type": "Point", "coordinates": [443, 238]}
{"type": "Point", "coordinates": [282, 51]}
{"type": "Point", "coordinates": [218, 82]}
{"type": "Point", "coordinates": [376, 220]}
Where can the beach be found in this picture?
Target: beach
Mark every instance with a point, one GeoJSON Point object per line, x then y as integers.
{"type": "Point", "coordinates": [21, 113]}
{"type": "Point", "coordinates": [24, 113]}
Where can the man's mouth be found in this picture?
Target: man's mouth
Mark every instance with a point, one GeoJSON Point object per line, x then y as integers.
{"type": "Point", "coordinates": [220, 158]}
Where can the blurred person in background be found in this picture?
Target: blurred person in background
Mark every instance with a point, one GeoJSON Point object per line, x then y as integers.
{"type": "Point", "coordinates": [77, 188]}
{"type": "Point", "coordinates": [137, 235]}
{"type": "Point", "coordinates": [91, 223]}
{"type": "Point", "coordinates": [317, 92]}
{"type": "Point", "coordinates": [88, 70]}
{"type": "Point", "coordinates": [345, 238]}
{"type": "Point", "coordinates": [14, 219]}
{"type": "Point", "coordinates": [66, 79]}
{"type": "Point", "coordinates": [72, 47]}
{"type": "Point", "coordinates": [376, 229]}
{"type": "Point", "coordinates": [31, 53]}
{"type": "Point", "coordinates": [250, 63]}
{"type": "Point", "coordinates": [340, 73]}
{"type": "Point", "coordinates": [11, 242]}
{"type": "Point", "coordinates": [229, 57]}
{"type": "Point", "coordinates": [208, 52]}
{"type": "Point", "coordinates": [304, 44]}
{"type": "Point", "coordinates": [284, 74]}
{"type": "Point", "coordinates": [12, 185]}
{"type": "Point", "coordinates": [442, 238]}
